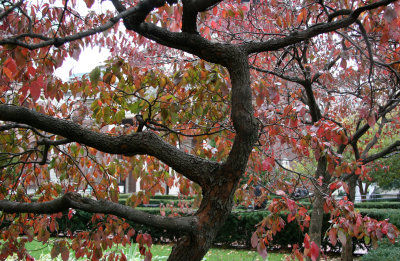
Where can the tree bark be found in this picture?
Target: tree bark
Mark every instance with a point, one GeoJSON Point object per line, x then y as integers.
{"type": "Point", "coordinates": [347, 249]}
{"type": "Point", "coordinates": [363, 190]}
{"type": "Point", "coordinates": [315, 230]}
{"type": "Point", "coordinates": [219, 190]}
{"type": "Point", "coordinates": [214, 210]}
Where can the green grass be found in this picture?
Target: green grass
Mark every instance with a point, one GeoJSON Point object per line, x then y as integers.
{"type": "Point", "coordinates": [161, 252]}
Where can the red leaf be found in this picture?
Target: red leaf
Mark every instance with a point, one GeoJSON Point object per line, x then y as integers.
{"type": "Point", "coordinates": [314, 251]}
{"type": "Point", "coordinates": [170, 182]}
{"type": "Point", "coordinates": [307, 241]}
{"type": "Point", "coordinates": [65, 254]}
{"type": "Point", "coordinates": [267, 164]}
{"type": "Point", "coordinates": [70, 212]}
{"type": "Point", "coordinates": [55, 251]}
{"type": "Point", "coordinates": [291, 205]}
{"type": "Point", "coordinates": [36, 87]}
{"type": "Point", "coordinates": [131, 232]}
{"type": "Point", "coordinates": [332, 236]}
{"type": "Point", "coordinates": [262, 250]}
{"type": "Point", "coordinates": [89, 3]}
{"type": "Point", "coordinates": [148, 256]}
{"type": "Point", "coordinates": [254, 240]}
{"type": "Point", "coordinates": [31, 71]}
{"type": "Point", "coordinates": [8, 73]}
{"type": "Point", "coordinates": [142, 250]}
{"type": "Point", "coordinates": [147, 239]}
{"type": "Point", "coordinates": [11, 65]}
{"type": "Point", "coordinates": [301, 16]}
{"type": "Point", "coordinates": [259, 100]}
{"type": "Point", "coordinates": [123, 257]}
{"type": "Point", "coordinates": [290, 218]}
{"type": "Point", "coordinates": [342, 237]}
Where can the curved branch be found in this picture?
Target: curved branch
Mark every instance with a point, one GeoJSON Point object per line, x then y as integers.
{"type": "Point", "coordinates": [193, 167]}
{"type": "Point", "coordinates": [135, 12]}
{"type": "Point", "coordinates": [76, 201]}
{"type": "Point", "coordinates": [190, 10]}
{"type": "Point", "coordinates": [275, 44]}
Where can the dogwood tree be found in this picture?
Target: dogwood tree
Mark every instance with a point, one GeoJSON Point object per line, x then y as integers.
{"type": "Point", "coordinates": [185, 70]}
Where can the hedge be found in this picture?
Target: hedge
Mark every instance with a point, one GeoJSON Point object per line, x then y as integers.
{"type": "Point", "coordinates": [374, 204]}
{"type": "Point", "coordinates": [392, 214]}
{"type": "Point", "coordinates": [175, 200]}
{"type": "Point", "coordinates": [386, 251]}
{"type": "Point", "coordinates": [240, 225]}
{"type": "Point", "coordinates": [237, 230]}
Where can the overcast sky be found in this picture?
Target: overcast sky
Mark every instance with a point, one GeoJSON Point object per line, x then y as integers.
{"type": "Point", "coordinates": [88, 59]}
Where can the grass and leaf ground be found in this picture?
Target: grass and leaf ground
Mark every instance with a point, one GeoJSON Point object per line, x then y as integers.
{"type": "Point", "coordinates": [160, 253]}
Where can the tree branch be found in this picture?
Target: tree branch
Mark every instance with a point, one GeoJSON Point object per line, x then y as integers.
{"type": "Point", "coordinates": [392, 148]}
{"type": "Point", "coordinates": [190, 10]}
{"type": "Point", "coordinates": [76, 201]}
{"type": "Point", "coordinates": [275, 44]}
{"type": "Point", "coordinates": [135, 13]}
{"type": "Point", "coordinates": [193, 167]}
{"type": "Point", "coordinates": [9, 10]}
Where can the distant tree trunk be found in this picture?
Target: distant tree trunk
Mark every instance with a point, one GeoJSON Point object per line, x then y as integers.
{"type": "Point", "coordinates": [363, 190]}
{"type": "Point", "coordinates": [315, 230]}
{"type": "Point", "coordinates": [347, 249]}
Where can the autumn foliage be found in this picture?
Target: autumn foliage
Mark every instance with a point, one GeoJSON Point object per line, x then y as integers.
{"type": "Point", "coordinates": [277, 94]}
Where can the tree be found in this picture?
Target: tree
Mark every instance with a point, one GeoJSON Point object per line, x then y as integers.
{"type": "Point", "coordinates": [386, 173]}
{"type": "Point", "coordinates": [332, 115]}
{"type": "Point", "coordinates": [206, 48]}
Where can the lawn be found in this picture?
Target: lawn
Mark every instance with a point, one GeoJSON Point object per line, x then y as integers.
{"type": "Point", "coordinates": [161, 252]}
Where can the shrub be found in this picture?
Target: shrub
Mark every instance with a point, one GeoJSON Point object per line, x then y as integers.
{"type": "Point", "coordinates": [392, 214]}
{"type": "Point", "coordinates": [380, 205]}
{"type": "Point", "coordinates": [386, 251]}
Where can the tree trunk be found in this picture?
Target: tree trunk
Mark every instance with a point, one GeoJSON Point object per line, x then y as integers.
{"type": "Point", "coordinates": [219, 189]}
{"type": "Point", "coordinates": [212, 214]}
{"type": "Point", "coordinates": [363, 190]}
{"type": "Point", "coordinates": [315, 230]}
{"type": "Point", "coordinates": [347, 250]}
{"type": "Point", "coordinates": [317, 215]}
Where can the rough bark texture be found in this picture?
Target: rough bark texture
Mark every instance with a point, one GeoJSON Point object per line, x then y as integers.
{"type": "Point", "coordinates": [315, 230]}
{"type": "Point", "coordinates": [347, 249]}
{"type": "Point", "coordinates": [218, 194]}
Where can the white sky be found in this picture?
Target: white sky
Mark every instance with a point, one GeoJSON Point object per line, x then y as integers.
{"type": "Point", "coordinates": [88, 60]}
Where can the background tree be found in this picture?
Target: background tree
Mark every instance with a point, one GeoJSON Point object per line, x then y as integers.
{"type": "Point", "coordinates": [325, 111]}
{"type": "Point", "coordinates": [386, 173]}
{"type": "Point", "coordinates": [207, 48]}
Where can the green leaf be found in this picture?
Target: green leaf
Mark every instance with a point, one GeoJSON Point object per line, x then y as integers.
{"type": "Point", "coordinates": [164, 114]}
{"type": "Point", "coordinates": [94, 76]}
{"type": "Point", "coordinates": [119, 116]}
{"type": "Point", "coordinates": [367, 239]}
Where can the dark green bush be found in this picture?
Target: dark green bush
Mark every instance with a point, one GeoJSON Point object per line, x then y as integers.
{"type": "Point", "coordinates": [375, 204]}
{"type": "Point", "coordinates": [237, 230]}
{"type": "Point", "coordinates": [169, 197]}
{"type": "Point", "coordinates": [158, 199]}
{"type": "Point", "coordinates": [240, 225]}
{"type": "Point", "coordinates": [386, 251]}
{"type": "Point", "coordinates": [379, 214]}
